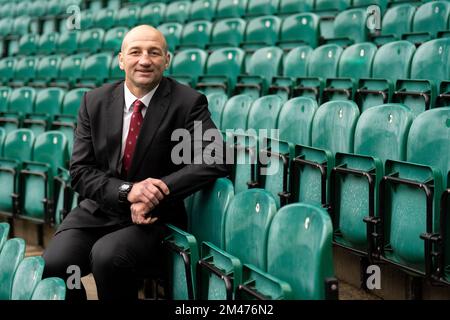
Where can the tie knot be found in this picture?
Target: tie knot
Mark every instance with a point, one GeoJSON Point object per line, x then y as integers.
{"type": "Point", "coordinates": [137, 106]}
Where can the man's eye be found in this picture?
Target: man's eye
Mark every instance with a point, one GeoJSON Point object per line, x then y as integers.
{"type": "Point", "coordinates": [134, 53]}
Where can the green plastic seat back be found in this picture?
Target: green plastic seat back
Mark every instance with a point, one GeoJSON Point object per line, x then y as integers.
{"type": "Point", "coordinates": [323, 61]}
{"type": "Point", "coordinates": [4, 231]}
{"type": "Point", "coordinates": [59, 199]}
{"type": "Point", "coordinates": [113, 39]}
{"type": "Point", "coordinates": [91, 40]}
{"type": "Point", "coordinates": [263, 114]}
{"type": "Point", "coordinates": [96, 67]}
{"type": "Point", "coordinates": [398, 20]}
{"type": "Point", "coordinates": [351, 24]}
{"type": "Point", "coordinates": [50, 147]}
{"type": "Point", "coordinates": [382, 132]}
{"type": "Point", "coordinates": [196, 33]}
{"type": "Point", "coordinates": [27, 276]}
{"type": "Point", "coordinates": [47, 43]}
{"type": "Point", "coordinates": [295, 6]}
{"type": "Point", "coordinates": [208, 212]}
{"type": "Point", "coordinates": [25, 69]}
{"type": "Point", "coordinates": [266, 63]}
{"type": "Point", "coordinates": [18, 145]}
{"type": "Point", "coordinates": [302, 27]}
{"type": "Point", "coordinates": [22, 100]}
{"type": "Point", "coordinates": [202, 10]}
{"type": "Point", "coordinates": [115, 73]}
{"type": "Point", "coordinates": [189, 62]}
{"type": "Point", "coordinates": [152, 14]}
{"type": "Point", "coordinates": [7, 68]}
{"type": "Point", "coordinates": [6, 26]}
{"type": "Point", "coordinates": [216, 103]}
{"type": "Point", "coordinates": [104, 18]}
{"type": "Point", "coordinates": [365, 3]}
{"type": "Point", "coordinates": [392, 61]}
{"type": "Point", "coordinates": [226, 61]}
{"type": "Point", "coordinates": [68, 42]}
{"type": "Point", "coordinates": [431, 17]}
{"type": "Point", "coordinates": [172, 33]}
{"type": "Point", "coordinates": [177, 11]}
{"type": "Point", "coordinates": [263, 30]}
{"type": "Point", "coordinates": [332, 5]}
{"type": "Point", "coordinates": [49, 101]}
{"type": "Point", "coordinates": [72, 101]}
{"type": "Point", "coordinates": [261, 7]}
{"type": "Point", "coordinates": [10, 257]}
{"type": "Point", "coordinates": [228, 31]}
{"type": "Point", "coordinates": [28, 44]}
{"type": "Point", "coordinates": [246, 225]}
{"type": "Point", "coordinates": [295, 62]}
{"type": "Point", "coordinates": [334, 126]}
{"type": "Point", "coordinates": [356, 60]}
{"type": "Point", "coordinates": [431, 60]}
{"type": "Point", "coordinates": [299, 239]}
{"type": "Point", "coordinates": [235, 113]}
{"type": "Point", "coordinates": [295, 120]}
{"type": "Point", "coordinates": [71, 67]}
{"type": "Point", "coordinates": [128, 16]}
{"type": "Point", "coordinates": [231, 8]}
{"type": "Point", "coordinates": [4, 96]}
{"type": "Point", "coordinates": [50, 289]}
{"type": "Point", "coordinates": [48, 67]}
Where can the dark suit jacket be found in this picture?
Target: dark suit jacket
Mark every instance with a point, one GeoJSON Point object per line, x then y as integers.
{"type": "Point", "coordinates": [95, 160]}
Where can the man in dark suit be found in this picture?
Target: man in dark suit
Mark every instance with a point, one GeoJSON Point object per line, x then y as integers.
{"type": "Point", "coordinates": [123, 169]}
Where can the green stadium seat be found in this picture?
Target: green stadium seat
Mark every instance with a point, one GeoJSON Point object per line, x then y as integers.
{"type": "Point", "coordinates": [430, 62]}
{"type": "Point", "coordinates": [95, 5]}
{"type": "Point", "coordinates": [63, 195]}
{"type": "Point", "coordinates": [216, 103]}
{"type": "Point", "coordinates": [24, 71]}
{"type": "Point", "coordinates": [172, 33]}
{"type": "Point", "coordinates": [227, 32]}
{"type": "Point", "coordinates": [23, 25]}
{"type": "Point", "coordinates": [300, 29]}
{"type": "Point", "coordinates": [54, 7]}
{"type": "Point", "coordinates": [105, 18]}
{"type": "Point", "coordinates": [287, 7]}
{"type": "Point", "coordinates": [396, 21]}
{"type": "Point", "coordinates": [203, 10]}
{"type": "Point", "coordinates": [177, 11]}
{"type": "Point", "coordinates": [50, 289]}
{"type": "Point", "coordinates": [261, 7]}
{"type": "Point", "coordinates": [188, 64]}
{"type": "Point", "coordinates": [28, 44]}
{"type": "Point", "coordinates": [222, 69]}
{"type": "Point", "coordinates": [47, 43]}
{"type": "Point", "coordinates": [114, 4]}
{"type": "Point", "coordinates": [37, 8]}
{"type": "Point", "coordinates": [27, 276]}
{"type": "Point", "coordinates": [21, 102]}
{"type": "Point", "coordinates": [299, 239]}
{"type": "Point", "coordinates": [322, 64]}
{"type": "Point", "coordinates": [333, 129]}
{"type": "Point", "coordinates": [4, 232]}
{"type": "Point", "coordinates": [392, 61]}
{"type": "Point", "coordinates": [231, 8]}
{"type": "Point", "coordinates": [115, 73]}
{"type": "Point", "coordinates": [261, 31]}
{"type": "Point", "coordinates": [7, 69]}
{"type": "Point", "coordinates": [382, 4]}
{"type": "Point", "coordinates": [6, 26]}
{"type": "Point", "coordinates": [247, 221]}
{"type": "Point", "coordinates": [381, 133]}
{"type": "Point", "coordinates": [68, 42]}
{"type": "Point", "coordinates": [95, 70]}
{"type": "Point", "coordinates": [152, 14]}
{"type": "Point", "coordinates": [235, 113]}
{"type": "Point", "coordinates": [46, 70]}
{"type": "Point", "coordinates": [4, 96]}
{"type": "Point", "coordinates": [11, 255]}
{"type": "Point", "coordinates": [263, 66]}
{"type": "Point", "coordinates": [429, 19]}
{"type": "Point", "coordinates": [91, 40]}
{"type": "Point", "coordinates": [350, 27]}
{"type": "Point", "coordinates": [196, 34]}
{"type": "Point", "coordinates": [18, 147]}
{"type": "Point", "coordinates": [355, 63]}
{"type": "Point", "coordinates": [50, 26]}
{"type": "Point", "coordinates": [410, 194]}
{"type": "Point", "coordinates": [128, 16]}
{"type": "Point", "coordinates": [47, 105]}
{"type": "Point", "coordinates": [331, 6]}
{"type": "Point", "coordinates": [36, 200]}
{"type": "Point", "coordinates": [69, 71]}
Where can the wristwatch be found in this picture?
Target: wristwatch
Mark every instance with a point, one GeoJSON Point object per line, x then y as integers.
{"type": "Point", "coordinates": [124, 189]}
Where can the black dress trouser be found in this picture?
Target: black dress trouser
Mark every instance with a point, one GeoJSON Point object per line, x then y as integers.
{"type": "Point", "coordinates": [117, 257]}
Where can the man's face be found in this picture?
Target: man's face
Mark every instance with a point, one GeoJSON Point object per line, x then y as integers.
{"type": "Point", "coordinates": [144, 59]}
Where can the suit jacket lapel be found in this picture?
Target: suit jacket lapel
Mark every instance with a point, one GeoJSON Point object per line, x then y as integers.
{"type": "Point", "coordinates": [114, 123]}
{"type": "Point", "coordinates": [156, 111]}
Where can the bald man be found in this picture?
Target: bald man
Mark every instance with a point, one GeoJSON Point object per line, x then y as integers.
{"type": "Point", "coordinates": [129, 186]}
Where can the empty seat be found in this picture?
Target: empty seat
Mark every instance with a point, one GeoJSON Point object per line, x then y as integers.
{"type": "Point", "coordinates": [382, 4]}
{"type": "Point", "coordinates": [47, 43]}
{"type": "Point", "coordinates": [295, 6]}
{"type": "Point", "coordinates": [21, 102]}
{"type": "Point", "coordinates": [261, 31]}
{"type": "Point", "coordinates": [202, 10]}
{"type": "Point", "coordinates": [331, 6]}
{"type": "Point", "coordinates": [227, 32]}
{"type": "Point", "coordinates": [177, 11]}
{"type": "Point", "coordinates": [68, 42]}
{"type": "Point", "coordinates": [152, 14]}
{"type": "Point", "coordinates": [95, 70]}
{"type": "Point", "coordinates": [24, 71]}
{"type": "Point", "coordinates": [7, 69]}
{"type": "Point", "coordinates": [235, 113]}
{"type": "Point", "coordinates": [28, 44]}
{"type": "Point", "coordinates": [113, 39]}
{"type": "Point", "coordinates": [4, 232]}
{"type": "Point", "coordinates": [216, 103]}
{"type": "Point", "coordinates": [231, 8]}
{"type": "Point", "coordinates": [261, 7]}
{"type": "Point", "coordinates": [4, 96]}
{"type": "Point", "coordinates": [46, 70]}
{"type": "Point", "coordinates": [172, 33]}
{"type": "Point", "coordinates": [188, 64]}
{"type": "Point", "coordinates": [128, 16]}
{"type": "Point", "coordinates": [70, 70]}
{"type": "Point", "coordinates": [350, 27]}
{"type": "Point", "coordinates": [11, 255]}
{"type": "Point", "coordinates": [50, 289]}
{"type": "Point", "coordinates": [300, 29]}
{"type": "Point", "coordinates": [104, 18]}
{"type": "Point", "coordinates": [91, 40]}
{"type": "Point", "coordinates": [196, 34]}
{"type": "Point", "coordinates": [27, 276]}
{"type": "Point", "coordinates": [396, 21]}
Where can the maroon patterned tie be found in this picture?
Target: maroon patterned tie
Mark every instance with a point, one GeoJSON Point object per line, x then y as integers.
{"type": "Point", "coordinates": [133, 133]}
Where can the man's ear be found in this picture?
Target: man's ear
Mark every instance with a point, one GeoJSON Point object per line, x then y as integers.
{"type": "Point", "coordinates": [120, 57]}
{"type": "Point", "coordinates": [167, 60]}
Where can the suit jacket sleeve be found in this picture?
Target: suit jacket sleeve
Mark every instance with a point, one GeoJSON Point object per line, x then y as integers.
{"type": "Point", "coordinates": [87, 178]}
{"type": "Point", "coordinates": [202, 170]}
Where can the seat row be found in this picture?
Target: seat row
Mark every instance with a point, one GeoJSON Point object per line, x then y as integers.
{"type": "Point", "coordinates": [20, 277]}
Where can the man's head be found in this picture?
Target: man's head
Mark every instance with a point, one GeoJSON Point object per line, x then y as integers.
{"type": "Point", "coordinates": [143, 57]}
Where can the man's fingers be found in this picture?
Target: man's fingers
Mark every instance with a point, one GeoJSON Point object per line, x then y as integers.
{"type": "Point", "coordinates": [154, 191]}
{"type": "Point", "coordinates": [161, 185]}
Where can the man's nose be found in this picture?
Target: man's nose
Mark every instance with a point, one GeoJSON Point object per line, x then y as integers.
{"type": "Point", "coordinates": [145, 60]}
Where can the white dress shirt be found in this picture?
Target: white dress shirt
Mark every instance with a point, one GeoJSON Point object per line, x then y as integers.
{"type": "Point", "coordinates": [128, 112]}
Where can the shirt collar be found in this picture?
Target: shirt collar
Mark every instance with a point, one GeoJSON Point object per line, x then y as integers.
{"type": "Point", "coordinates": [130, 98]}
